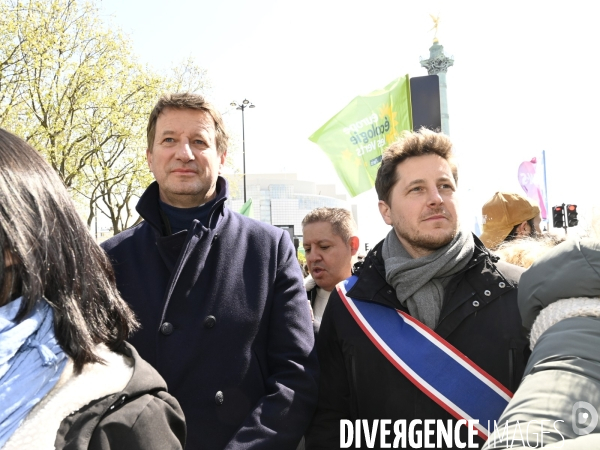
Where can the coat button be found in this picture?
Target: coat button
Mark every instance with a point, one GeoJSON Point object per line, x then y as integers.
{"type": "Point", "coordinates": [487, 293]}
{"type": "Point", "coordinates": [502, 284]}
{"type": "Point", "coordinates": [475, 303]}
{"type": "Point", "coordinates": [210, 321]}
{"type": "Point", "coordinates": [219, 398]}
{"type": "Point", "coordinates": [166, 328]}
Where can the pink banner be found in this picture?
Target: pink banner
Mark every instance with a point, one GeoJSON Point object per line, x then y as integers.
{"type": "Point", "coordinates": [531, 180]}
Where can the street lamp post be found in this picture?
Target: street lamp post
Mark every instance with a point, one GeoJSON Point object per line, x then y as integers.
{"type": "Point", "coordinates": [245, 104]}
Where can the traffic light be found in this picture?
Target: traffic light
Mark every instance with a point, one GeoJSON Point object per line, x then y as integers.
{"type": "Point", "coordinates": [558, 218]}
{"type": "Point", "coordinates": [572, 216]}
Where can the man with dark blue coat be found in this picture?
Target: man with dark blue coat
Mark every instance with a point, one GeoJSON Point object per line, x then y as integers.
{"type": "Point", "coordinates": [220, 296]}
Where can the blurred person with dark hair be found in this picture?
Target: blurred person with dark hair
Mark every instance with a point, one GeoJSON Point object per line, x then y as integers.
{"type": "Point", "coordinates": [330, 245]}
{"type": "Point", "coordinates": [507, 216]}
{"type": "Point", "coordinates": [68, 379]}
{"type": "Point", "coordinates": [219, 295]}
{"type": "Point", "coordinates": [556, 405]}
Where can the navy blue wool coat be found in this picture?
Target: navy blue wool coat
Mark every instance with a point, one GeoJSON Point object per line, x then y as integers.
{"type": "Point", "coordinates": [225, 321]}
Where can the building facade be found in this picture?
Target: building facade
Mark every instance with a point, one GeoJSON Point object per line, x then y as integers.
{"type": "Point", "coordinates": [283, 200]}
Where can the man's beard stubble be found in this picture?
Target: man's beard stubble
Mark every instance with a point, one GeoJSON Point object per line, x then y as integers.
{"type": "Point", "coordinates": [428, 242]}
{"type": "Point", "coordinates": [425, 241]}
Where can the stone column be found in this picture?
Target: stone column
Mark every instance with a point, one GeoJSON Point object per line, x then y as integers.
{"type": "Point", "coordinates": [438, 64]}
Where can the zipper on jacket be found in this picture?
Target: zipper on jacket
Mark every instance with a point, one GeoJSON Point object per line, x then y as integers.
{"type": "Point", "coordinates": [118, 403]}
{"type": "Point", "coordinates": [511, 369]}
{"type": "Point", "coordinates": [354, 383]}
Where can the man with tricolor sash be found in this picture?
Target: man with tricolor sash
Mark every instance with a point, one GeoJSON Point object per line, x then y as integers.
{"type": "Point", "coordinates": [426, 336]}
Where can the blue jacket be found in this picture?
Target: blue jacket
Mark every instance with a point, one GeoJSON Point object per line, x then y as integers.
{"type": "Point", "coordinates": [225, 322]}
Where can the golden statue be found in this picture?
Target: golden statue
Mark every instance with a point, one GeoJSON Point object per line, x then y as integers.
{"type": "Point", "coordinates": [436, 24]}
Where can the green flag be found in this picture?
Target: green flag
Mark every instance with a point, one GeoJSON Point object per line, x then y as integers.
{"type": "Point", "coordinates": [246, 209]}
{"type": "Point", "coordinates": [355, 138]}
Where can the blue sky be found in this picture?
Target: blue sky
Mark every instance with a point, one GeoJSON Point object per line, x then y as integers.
{"type": "Point", "coordinates": [524, 80]}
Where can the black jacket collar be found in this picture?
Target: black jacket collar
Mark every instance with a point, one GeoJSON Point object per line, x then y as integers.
{"type": "Point", "coordinates": [372, 285]}
{"type": "Point", "coordinates": [148, 208]}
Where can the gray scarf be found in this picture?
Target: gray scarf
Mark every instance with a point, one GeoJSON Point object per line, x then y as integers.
{"type": "Point", "coordinates": [420, 282]}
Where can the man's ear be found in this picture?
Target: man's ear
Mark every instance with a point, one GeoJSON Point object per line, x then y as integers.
{"type": "Point", "coordinates": [149, 159]}
{"type": "Point", "coordinates": [385, 212]}
{"type": "Point", "coordinates": [523, 229]}
{"type": "Point", "coordinates": [222, 161]}
{"type": "Point", "coordinates": [354, 243]}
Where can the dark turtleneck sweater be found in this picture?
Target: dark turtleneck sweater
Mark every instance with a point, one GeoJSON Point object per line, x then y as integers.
{"type": "Point", "coordinates": [181, 218]}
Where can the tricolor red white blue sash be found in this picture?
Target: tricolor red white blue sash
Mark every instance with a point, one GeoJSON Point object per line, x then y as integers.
{"type": "Point", "coordinates": [438, 369]}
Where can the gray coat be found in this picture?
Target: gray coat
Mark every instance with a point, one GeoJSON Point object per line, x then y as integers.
{"type": "Point", "coordinates": [564, 368]}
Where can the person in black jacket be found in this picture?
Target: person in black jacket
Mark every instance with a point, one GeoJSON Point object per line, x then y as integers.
{"type": "Point", "coordinates": [219, 295]}
{"type": "Point", "coordinates": [432, 271]}
{"type": "Point", "coordinates": [68, 379]}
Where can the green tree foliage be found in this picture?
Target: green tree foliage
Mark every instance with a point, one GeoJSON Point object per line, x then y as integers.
{"type": "Point", "coordinates": [72, 87]}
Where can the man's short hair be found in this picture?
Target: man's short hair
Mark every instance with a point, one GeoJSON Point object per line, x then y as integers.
{"type": "Point", "coordinates": [342, 223]}
{"type": "Point", "coordinates": [421, 143]}
{"type": "Point", "coordinates": [186, 100]}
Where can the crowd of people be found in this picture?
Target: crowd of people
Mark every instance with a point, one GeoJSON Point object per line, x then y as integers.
{"type": "Point", "coordinates": [197, 329]}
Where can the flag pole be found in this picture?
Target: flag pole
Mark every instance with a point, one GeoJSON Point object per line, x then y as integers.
{"type": "Point", "coordinates": [545, 182]}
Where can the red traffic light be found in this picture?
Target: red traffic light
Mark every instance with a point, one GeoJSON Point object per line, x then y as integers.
{"type": "Point", "coordinates": [572, 220]}
{"type": "Point", "coordinates": [558, 217]}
